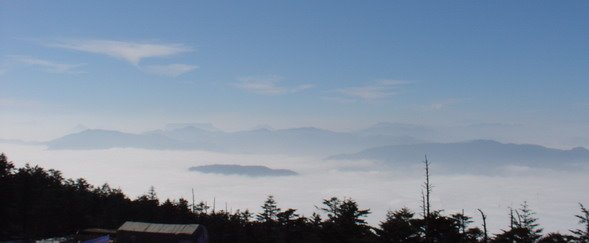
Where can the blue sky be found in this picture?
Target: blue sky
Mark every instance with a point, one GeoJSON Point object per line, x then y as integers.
{"type": "Point", "coordinates": [514, 71]}
{"type": "Point", "coordinates": [331, 64]}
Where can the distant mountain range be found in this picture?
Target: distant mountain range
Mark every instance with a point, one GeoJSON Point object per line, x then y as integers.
{"type": "Point", "coordinates": [105, 139]}
{"type": "Point", "coordinates": [392, 144]}
{"type": "Point", "coordinates": [306, 140]}
{"type": "Point", "coordinates": [246, 170]}
{"type": "Point", "coordinates": [474, 156]}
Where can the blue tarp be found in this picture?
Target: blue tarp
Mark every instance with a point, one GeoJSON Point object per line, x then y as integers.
{"type": "Point", "coordinates": [102, 239]}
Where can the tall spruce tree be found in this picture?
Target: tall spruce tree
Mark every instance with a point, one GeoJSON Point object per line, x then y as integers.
{"type": "Point", "coordinates": [528, 221]}
{"type": "Point", "coordinates": [270, 211]}
{"type": "Point", "coordinates": [582, 235]}
{"type": "Point", "coordinates": [523, 226]}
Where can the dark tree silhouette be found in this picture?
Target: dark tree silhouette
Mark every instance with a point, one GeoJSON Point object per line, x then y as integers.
{"type": "Point", "coordinates": [427, 187]}
{"type": "Point", "coordinates": [461, 222]}
{"type": "Point", "coordinates": [426, 191]}
{"type": "Point", "coordinates": [582, 235]}
{"type": "Point", "coordinates": [484, 217]}
{"type": "Point", "coordinates": [523, 226]}
{"type": "Point", "coordinates": [345, 221]}
{"type": "Point", "coordinates": [268, 217]}
{"type": "Point", "coordinates": [269, 212]}
{"type": "Point", "coordinates": [151, 194]}
{"type": "Point", "coordinates": [399, 226]}
{"type": "Point", "coordinates": [528, 221]}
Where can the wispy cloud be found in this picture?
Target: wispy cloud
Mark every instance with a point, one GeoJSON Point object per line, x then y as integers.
{"type": "Point", "coordinates": [301, 87]}
{"type": "Point", "coordinates": [439, 105]}
{"type": "Point", "coordinates": [268, 85]}
{"type": "Point", "coordinates": [47, 65]}
{"type": "Point", "coordinates": [132, 52]}
{"type": "Point", "coordinates": [340, 100]}
{"type": "Point", "coordinates": [377, 90]}
{"type": "Point", "coordinates": [171, 70]}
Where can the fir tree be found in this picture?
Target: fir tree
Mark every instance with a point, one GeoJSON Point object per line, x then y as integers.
{"type": "Point", "coordinates": [582, 235]}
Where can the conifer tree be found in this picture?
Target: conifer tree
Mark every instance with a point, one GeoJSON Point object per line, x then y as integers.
{"type": "Point", "coordinates": [269, 212]}
{"type": "Point", "coordinates": [529, 222]}
{"type": "Point", "coordinates": [523, 226]}
{"type": "Point", "coordinates": [345, 221]}
{"type": "Point", "coordinates": [582, 235]}
{"type": "Point", "coordinates": [399, 226]}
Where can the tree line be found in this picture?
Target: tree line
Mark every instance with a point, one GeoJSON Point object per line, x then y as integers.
{"type": "Point", "coordinates": [37, 203]}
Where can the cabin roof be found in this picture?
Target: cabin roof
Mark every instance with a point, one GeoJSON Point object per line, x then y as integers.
{"type": "Point", "coordinates": [176, 229]}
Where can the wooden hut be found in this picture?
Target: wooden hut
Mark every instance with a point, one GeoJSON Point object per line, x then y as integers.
{"type": "Point", "coordinates": [131, 232]}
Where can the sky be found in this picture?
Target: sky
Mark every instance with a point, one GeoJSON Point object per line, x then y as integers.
{"type": "Point", "coordinates": [514, 71]}
{"type": "Point", "coordinates": [136, 65]}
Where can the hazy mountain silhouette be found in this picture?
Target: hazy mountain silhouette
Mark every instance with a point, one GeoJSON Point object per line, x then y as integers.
{"type": "Point", "coordinates": [306, 140]}
{"type": "Point", "coordinates": [474, 155]}
{"type": "Point", "coordinates": [105, 139]}
{"type": "Point", "coordinates": [397, 129]}
{"type": "Point", "coordinates": [378, 143]}
{"type": "Point", "coordinates": [247, 170]}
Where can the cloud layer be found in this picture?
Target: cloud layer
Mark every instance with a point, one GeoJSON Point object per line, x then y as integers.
{"type": "Point", "coordinates": [552, 194]}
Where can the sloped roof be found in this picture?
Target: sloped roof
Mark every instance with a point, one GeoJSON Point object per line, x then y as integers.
{"type": "Point", "coordinates": [177, 229]}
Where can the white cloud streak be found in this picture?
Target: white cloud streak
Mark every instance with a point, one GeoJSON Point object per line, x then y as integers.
{"type": "Point", "coordinates": [378, 90]}
{"type": "Point", "coordinates": [443, 104]}
{"type": "Point", "coordinates": [47, 65]}
{"type": "Point", "coordinates": [268, 85]}
{"type": "Point", "coordinates": [170, 70]}
{"type": "Point", "coordinates": [132, 52]}
{"type": "Point", "coordinates": [302, 87]}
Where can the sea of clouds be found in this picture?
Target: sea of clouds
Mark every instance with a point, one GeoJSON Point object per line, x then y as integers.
{"type": "Point", "coordinates": [554, 195]}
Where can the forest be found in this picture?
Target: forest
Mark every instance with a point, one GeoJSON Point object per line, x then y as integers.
{"type": "Point", "coordinates": [37, 203]}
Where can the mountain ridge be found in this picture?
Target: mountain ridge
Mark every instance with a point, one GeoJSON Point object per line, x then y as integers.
{"type": "Point", "coordinates": [479, 154]}
{"type": "Point", "coordinates": [302, 140]}
{"type": "Point", "coordinates": [488, 154]}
